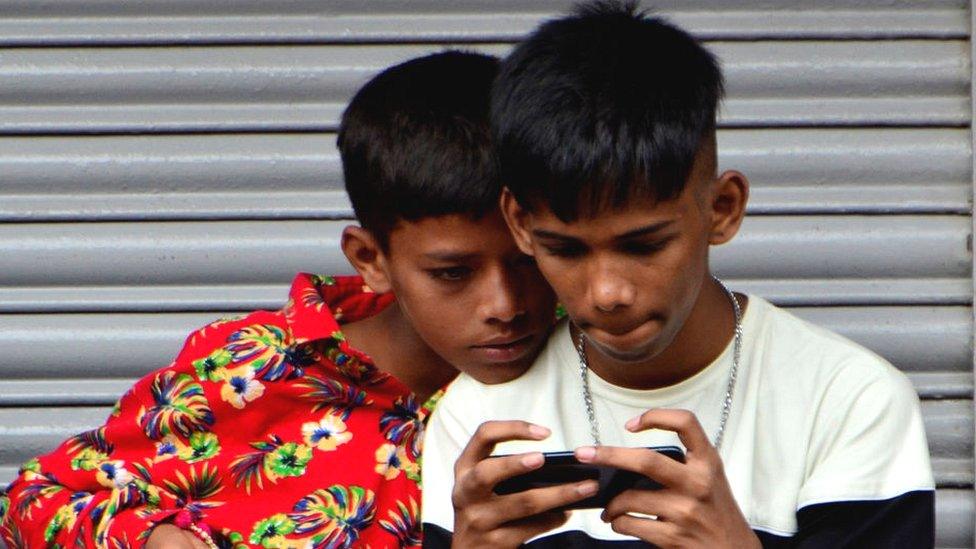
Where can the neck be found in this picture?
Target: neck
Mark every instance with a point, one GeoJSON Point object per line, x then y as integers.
{"type": "Point", "coordinates": [706, 332]}
{"type": "Point", "coordinates": [396, 348]}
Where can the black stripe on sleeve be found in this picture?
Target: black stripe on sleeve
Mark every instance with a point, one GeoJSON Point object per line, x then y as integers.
{"type": "Point", "coordinates": [436, 537]}
{"type": "Point", "coordinates": [907, 520]}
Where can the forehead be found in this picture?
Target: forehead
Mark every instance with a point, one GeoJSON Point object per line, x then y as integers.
{"type": "Point", "coordinates": [453, 233]}
{"type": "Point", "coordinates": [609, 223]}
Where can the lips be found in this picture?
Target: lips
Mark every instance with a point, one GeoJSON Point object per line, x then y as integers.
{"type": "Point", "coordinates": [618, 332]}
{"type": "Point", "coordinates": [504, 349]}
{"type": "Point", "coordinates": [613, 330]}
{"type": "Point", "coordinates": [625, 338]}
{"type": "Point", "coordinates": [503, 342]}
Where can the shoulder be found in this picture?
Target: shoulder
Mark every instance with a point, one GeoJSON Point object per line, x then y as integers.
{"type": "Point", "coordinates": [209, 348]}
{"type": "Point", "coordinates": [828, 386]}
{"type": "Point", "coordinates": [796, 352]}
{"type": "Point", "coordinates": [210, 351]}
{"type": "Point", "coordinates": [854, 417]}
{"type": "Point", "coordinates": [214, 335]}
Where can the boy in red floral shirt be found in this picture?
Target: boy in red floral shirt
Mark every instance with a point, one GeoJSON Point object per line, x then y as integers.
{"type": "Point", "coordinates": [302, 427]}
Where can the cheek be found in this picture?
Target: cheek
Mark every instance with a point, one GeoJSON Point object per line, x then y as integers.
{"type": "Point", "coordinates": [686, 274]}
{"type": "Point", "coordinates": [438, 326]}
{"type": "Point", "coordinates": [418, 297]}
{"type": "Point", "coordinates": [426, 311]}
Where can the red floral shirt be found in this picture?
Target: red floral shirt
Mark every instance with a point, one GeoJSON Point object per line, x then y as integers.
{"type": "Point", "coordinates": [267, 431]}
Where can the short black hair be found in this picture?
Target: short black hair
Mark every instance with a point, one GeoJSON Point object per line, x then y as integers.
{"type": "Point", "coordinates": [602, 106]}
{"type": "Point", "coordinates": [415, 142]}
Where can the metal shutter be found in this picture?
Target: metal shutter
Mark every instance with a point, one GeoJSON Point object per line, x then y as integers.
{"type": "Point", "coordinates": [159, 157]}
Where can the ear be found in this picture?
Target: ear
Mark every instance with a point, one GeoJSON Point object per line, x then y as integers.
{"type": "Point", "coordinates": [516, 217]}
{"type": "Point", "coordinates": [365, 254]}
{"type": "Point", "coordinates": [728, 206]}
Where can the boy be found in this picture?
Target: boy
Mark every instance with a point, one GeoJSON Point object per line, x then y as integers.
{"type": "Point", "coordinates": [605, 126]}
{"type": "Point", "coordinates": [279, 429]}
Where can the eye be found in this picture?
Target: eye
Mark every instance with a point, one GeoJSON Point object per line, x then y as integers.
{"type": "Point", "coordinates": [644, 248]}
{"type": "Point", "coordinates": [566, 250]}
{"type": "Point", "coordinates": [450, 274]}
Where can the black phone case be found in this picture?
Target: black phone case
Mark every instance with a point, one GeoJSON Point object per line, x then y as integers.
{"type": "Point", "coordinates": [563, 468]}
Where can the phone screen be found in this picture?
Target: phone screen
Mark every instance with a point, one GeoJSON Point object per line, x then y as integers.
{"type": "Point", "coordinates": [563, 468]}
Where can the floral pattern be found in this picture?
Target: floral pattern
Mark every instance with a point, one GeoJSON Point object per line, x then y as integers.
{"type": "Point", "coordinates": [403, 425]}
{"type": "Point", "coordinates": [254, 410]}
{"type": "Point", "coordinates": [391, 460]}
{"type": "Point", "coordinates": [403, 522]}
{"type": "Point", "coordinates": [180, 406]}
{"type": "Point", "coordinates": [241, 388]}
{"type": "Point", "coordinates": [327, 433]}
{"type": "Point", "coordinates": [335, 516]}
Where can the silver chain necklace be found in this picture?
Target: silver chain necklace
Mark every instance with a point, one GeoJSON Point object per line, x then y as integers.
{"type": "Point", "coordinates": [730, 389]}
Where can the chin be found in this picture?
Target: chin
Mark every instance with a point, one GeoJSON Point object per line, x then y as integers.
{"type": "Point", "coordinates": [636, 353]}
{"type": "Point", "coordinates": [494, 374]}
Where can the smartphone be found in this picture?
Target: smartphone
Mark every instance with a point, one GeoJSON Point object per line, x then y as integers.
{"type": "Point", "coordinates": [563, 468]}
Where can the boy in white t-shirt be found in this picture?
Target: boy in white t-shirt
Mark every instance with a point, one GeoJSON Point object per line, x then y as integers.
{"type": "Point", "coordinates": [794, 437]}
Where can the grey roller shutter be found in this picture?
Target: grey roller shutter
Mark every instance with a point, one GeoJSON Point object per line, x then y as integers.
{"type": "Point", "coordinates": [150, 149]}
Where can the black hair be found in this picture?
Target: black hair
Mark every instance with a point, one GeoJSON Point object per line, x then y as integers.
{"type": "Point", "coordinates": [415, 142]}
{"type": "Point", "coordinates": [602, 106]}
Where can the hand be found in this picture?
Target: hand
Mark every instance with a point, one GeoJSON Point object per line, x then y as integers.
{"type": "Point", "coordinates": [485, 519]}
{"type": "Point", "coordinates": [168, 536]}
{"type": "Point", "coordinates": [695, 508]}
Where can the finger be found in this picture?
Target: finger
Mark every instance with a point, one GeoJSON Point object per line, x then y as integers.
{"type": "Point", "coordinates": [660, 534]}
{"type": "Point", "coordinates": [682, 422]}
{"type": "Point", "coordinates": [649, 463]}
{"type": "Point", "coordinates": [478, 481]}
{"type": "Point", "coordinates": [518, 532]}
{"type": "Point", "coordinates": [490, 433]}
{"type": "Point", "coordinates": [538, 500]}
{"type": "Point", "coordinates": [664, 504]}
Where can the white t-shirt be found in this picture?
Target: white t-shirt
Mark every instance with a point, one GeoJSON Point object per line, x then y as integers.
{"type": "Point", "coordinates": [815, 419]}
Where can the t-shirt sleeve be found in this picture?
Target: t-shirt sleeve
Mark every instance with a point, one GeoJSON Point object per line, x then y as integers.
{"type": "Point", "coordinates": [448, 432]}
{"type": "Point", "coordinates": [868, 472]}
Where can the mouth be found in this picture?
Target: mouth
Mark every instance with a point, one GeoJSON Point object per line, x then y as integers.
{"type": "Point", "coordinates": [504, 349]}
{"type": "Point", "coordinates": [614, 331]}
{"type": "Point", "coordinates": [626, 337]}
{"type": "Point", "coordinates": [618, 329]}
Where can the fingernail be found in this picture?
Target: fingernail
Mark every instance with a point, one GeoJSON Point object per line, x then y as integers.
{"type": "Point", "coordinates": [588, 488]}
{"type": "Point", "coordinates": [632, 423]}
{"type": "Point", "coordinates": [603, 516]}
{"type": "Point", "coordinates": [533, 460]}
{"type": "Point", "coordinates": [539, 431]}
{"type": "Point", "coordinates": [586, 453]}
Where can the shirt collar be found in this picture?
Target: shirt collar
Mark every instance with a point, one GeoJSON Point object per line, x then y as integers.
{"type": "Point", "coordinates": [317, 304]}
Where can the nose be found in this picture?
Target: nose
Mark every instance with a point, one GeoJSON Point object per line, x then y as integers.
{"type": "Point", "coordinates": [610, 289]}
{"type": "Point", "coordinates": [501, 297]}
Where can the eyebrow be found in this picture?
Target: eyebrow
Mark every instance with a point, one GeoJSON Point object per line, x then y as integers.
{"type": "Point", "coordinates": [450, 257]}
{"type": "Point", "coordinates": [640, 231]}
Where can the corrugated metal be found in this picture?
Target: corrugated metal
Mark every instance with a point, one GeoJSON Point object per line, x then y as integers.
{"type": "Point", "coordinates": [268, 176]}
{"type": "Point", "coordinates": [137, 179]}
{"type": "Point", "coordinates": [305, 87]}
{"type": "Point", "coordinates": [175, 21]}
